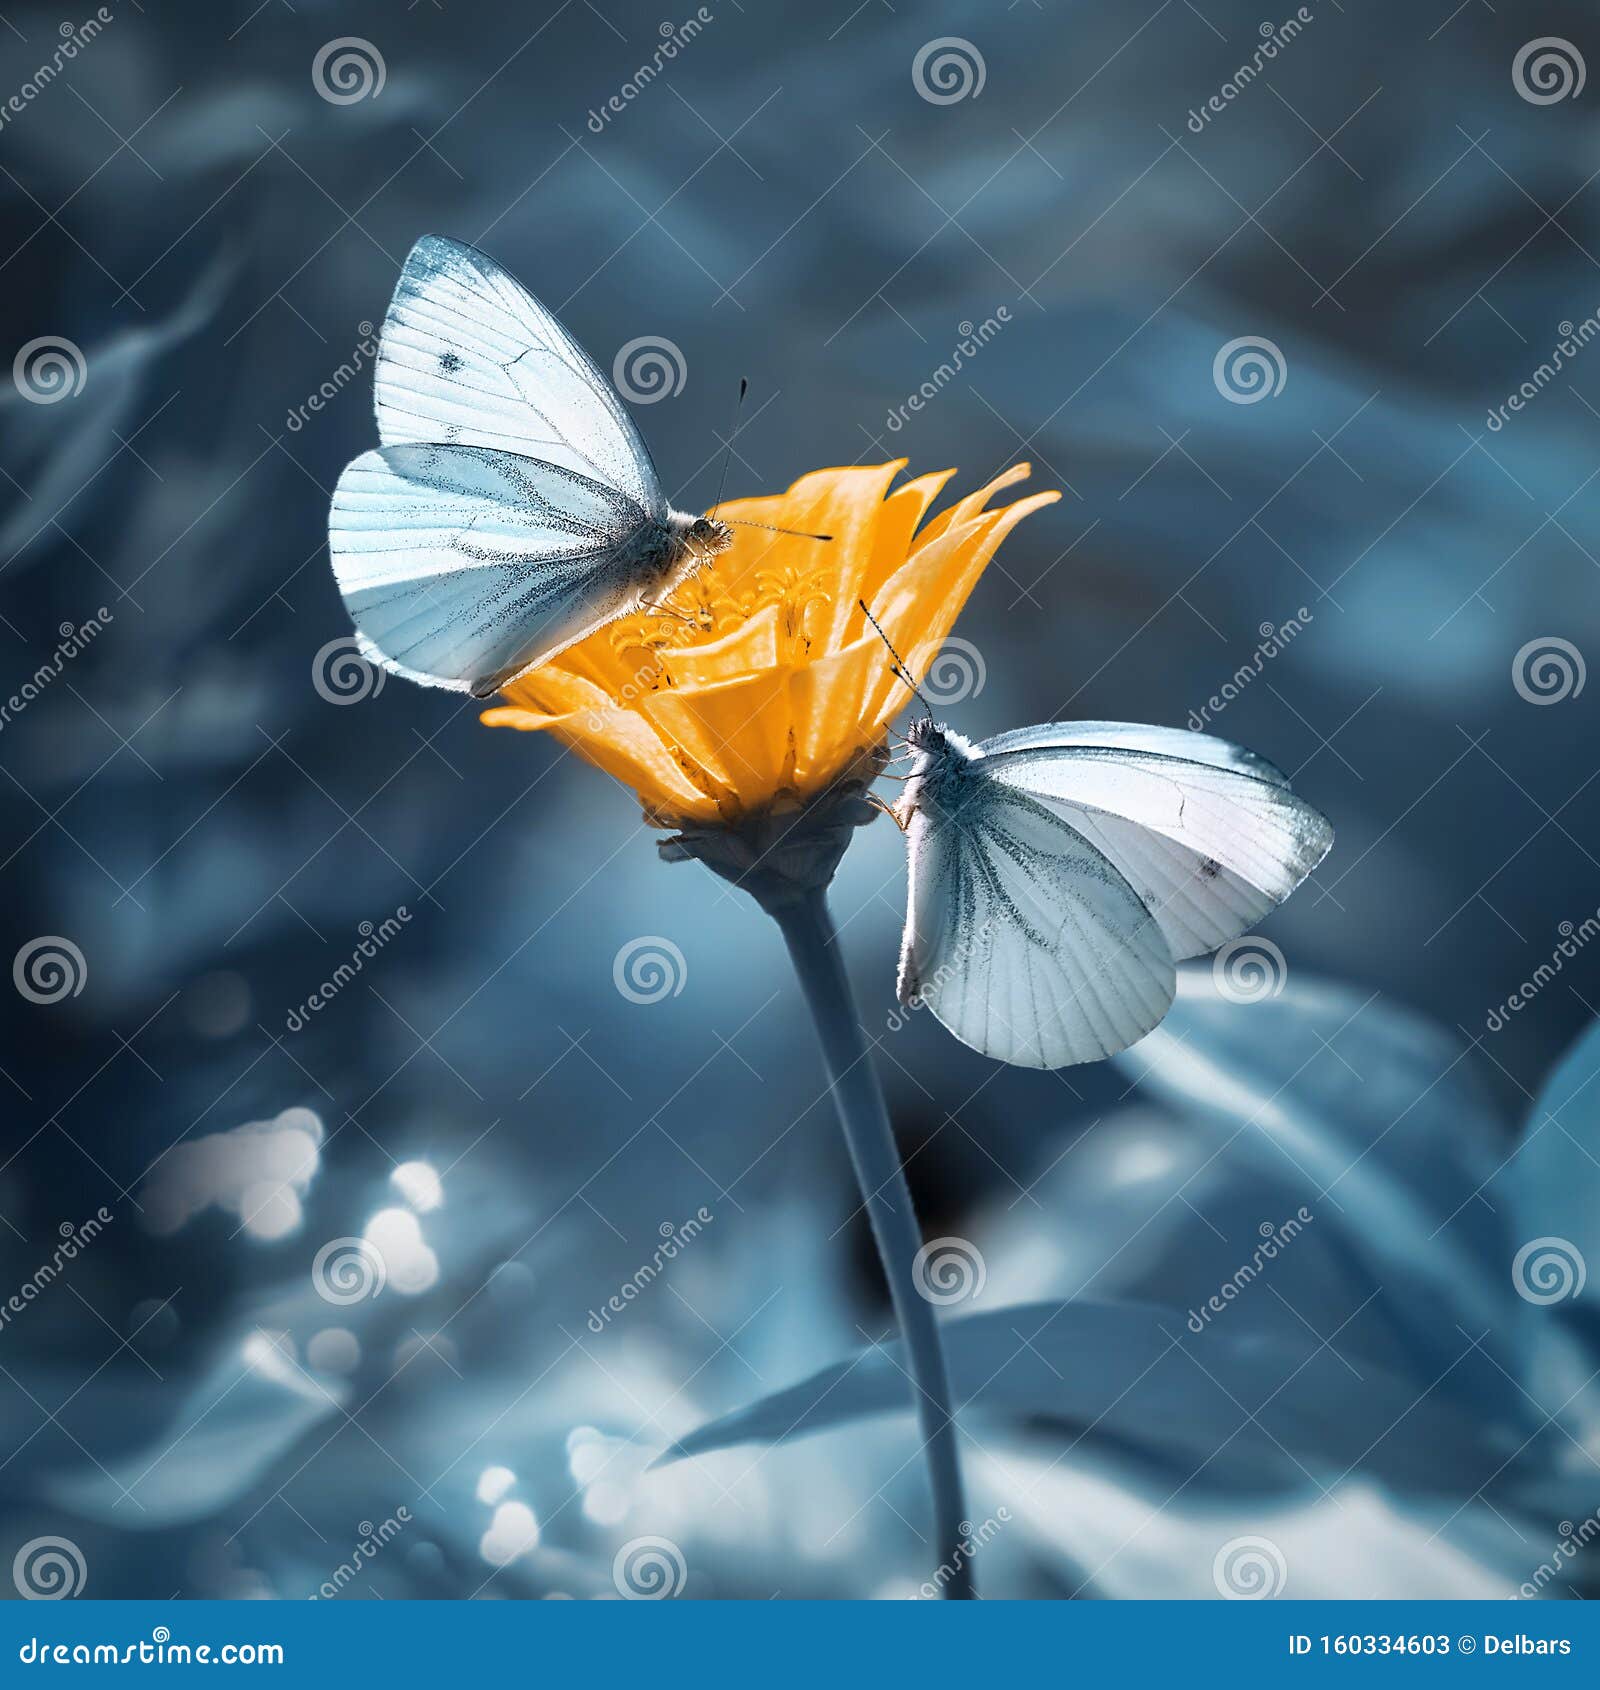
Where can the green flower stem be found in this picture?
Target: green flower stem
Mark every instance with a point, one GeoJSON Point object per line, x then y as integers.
{"type": "Point", "coordinates": [813, 945]}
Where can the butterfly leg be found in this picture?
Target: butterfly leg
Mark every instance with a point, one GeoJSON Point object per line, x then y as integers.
{"type": "Point", "coordinates": [662, 610]}
{"type": "Point", "coordinates": [888, 809]}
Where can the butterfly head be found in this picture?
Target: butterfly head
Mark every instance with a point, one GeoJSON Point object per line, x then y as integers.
{"type": "Point", "coordinates": [926, 735]}
{"type": "Point", "coordinates": [709, 535]}
{"type": "Point", "coordinates": [943, 763]}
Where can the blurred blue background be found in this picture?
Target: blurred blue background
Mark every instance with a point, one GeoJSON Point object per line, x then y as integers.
{"type": "Point", "coordinates": [215, 236]}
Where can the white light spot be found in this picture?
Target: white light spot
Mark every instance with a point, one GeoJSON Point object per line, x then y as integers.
{"type": "Point", "coordinates": [269, 1210]}
{"type": "Point", "coordinates": [335, 1349]}
{"type": "Point", "coordinates": [423, 1349]}
{"type": "Point", "coordinates": [494, 1483]}
{"type": "Point", "coordinates": [257, 1172]}
{"type": "Point", "coordinates": [418, 1184]}
{"type": "Point", "coordinates": [511, 1533]}
{"type": "Point", "coordinates": [606, 1504]}
{"type": "Point", "coordinates": [588, 1461]}
{"type": "Point", "coordinates": [272, 1355]}
{"type": "Point", "coordinates": [1136, 1162]}
{"type": "Point", "coordinates": [411, 1267]}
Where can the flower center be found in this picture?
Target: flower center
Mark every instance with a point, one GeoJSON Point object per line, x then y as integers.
{"type": "Point", "coordinates": [709, 609]}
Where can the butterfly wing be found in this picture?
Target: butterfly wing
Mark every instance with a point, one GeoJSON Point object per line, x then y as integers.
{"type": "Point", "coordinates": [469, 357]}
{"type": "Point", "coordinates": [1139, 736]}
{"type": "Point", "coordinates": [461, 567]}
{"type": "Point", "coordinates": [1208, 834]}
{"type": "Point", "coordinates": [1024, 940]}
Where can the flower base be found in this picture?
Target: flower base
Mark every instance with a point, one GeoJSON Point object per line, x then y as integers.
{"type": "Point", "coordinates": [781, 854]}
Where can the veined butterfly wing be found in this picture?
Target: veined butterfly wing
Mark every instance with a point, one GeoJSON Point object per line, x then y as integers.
{"type": "Point", "coordinates": [513, 505]}
{"type": "Point", "coordinates": [469, 357]}
{"type": "Point", "coordinates": [1139, 736]}
{"type": "Point", "coordinates": [461, 567]}
{"type": "Point", "coordinates": [1208, 834]}
{"type": "Point", "coordinates": [1023, 939]}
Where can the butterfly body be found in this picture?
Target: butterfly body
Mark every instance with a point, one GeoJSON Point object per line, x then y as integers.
{"type": "Point", "coordinates": [512, 507]}
{"type": "Point", "coordinates": [1059, 873]}
{"type": "Point", "coordinates": [671, 551]}
{"type": "Point", "coordinates": [943, 781]}
{"type": "Point", "coordinates": [940, 775]}
{"type": "Point", "coordinates": [656, 559]}
{"type": "Point", "coordinates": [648, 566]}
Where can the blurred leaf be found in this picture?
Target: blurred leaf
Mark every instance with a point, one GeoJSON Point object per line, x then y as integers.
{"type": "Point", "coordinates": [1556, 1173]}
{"type": "Point", "coordinates": [226, 1432]}
{"type": "Point", "coordinates": [1123, 1379]}
{"type": "Point", "coordinates": [1555, 1193]}
{"type": "Point", "coordinates": [1379, 1117]}
{"type": "Point", "coordinates": [75, 443]}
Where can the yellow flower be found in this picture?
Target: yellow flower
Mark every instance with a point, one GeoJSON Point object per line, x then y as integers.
{"type": "Point", "coordinates": [769, 684]}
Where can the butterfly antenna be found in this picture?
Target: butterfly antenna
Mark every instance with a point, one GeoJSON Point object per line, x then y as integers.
{"type": "Point", "coordinates": [899, 668]}
{"type": "Point", "coordinates": [767, 527]}
{"type": "Point", "coordinates": [727, 457]}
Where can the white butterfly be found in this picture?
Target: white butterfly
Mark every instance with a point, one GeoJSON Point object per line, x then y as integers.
{"type": "Point", "coordinates": [1059, 873]}
{"type": "Point", "coordinates": [512, 507]}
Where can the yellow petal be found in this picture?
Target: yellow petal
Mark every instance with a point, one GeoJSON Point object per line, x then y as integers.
{"type": "Point", "coordinates": [838, 709]}
{"type": "Point", "coordinates": [963, 510]}
{"type": "Point", "coordinates": [623, 744]}
{"type": "Point", "coordinates": [737, 731]}
{"type": "Point", "coordinates": [754, 645]}
{"type": "Point", "coordinates": [923, 598]}
{"type": "Point", "coordinates": [903, 510]}
{"type": "Point", "coordinates": [843, 503]}
{"type": "Point", "coordinates": [549, 691]}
